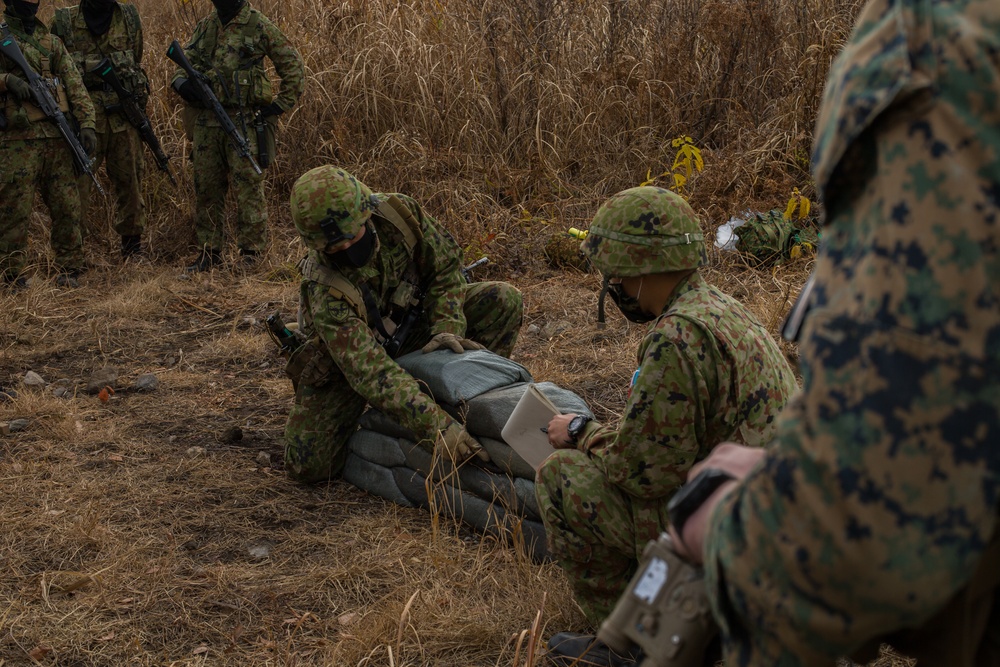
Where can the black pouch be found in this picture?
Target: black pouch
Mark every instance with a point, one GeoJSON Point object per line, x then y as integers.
{"type": "Point", "coordinates": [265, 129]}
{"type": "Point", "coordinates": [3, 120]}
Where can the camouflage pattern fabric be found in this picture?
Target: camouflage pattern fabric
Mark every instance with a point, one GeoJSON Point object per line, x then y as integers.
{"type": "Point", "coordinates": [119, 147]}
{"type": "Point", "coordinates": [880, 495]}
{"type": "Point", "coordinates": [234, 54]}
{"type": "Point", "coordinates": [645, 230]}
{"type": "Point", "coordinates": [323, 418]}
{"type": "Point", "coordinates": [708, 371]}
{"type": "Point", "coordinates": [35, 156]}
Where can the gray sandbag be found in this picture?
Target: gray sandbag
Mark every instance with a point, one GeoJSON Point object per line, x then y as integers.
{"type": "Point", "coordinates": [525, 491]}
{"type": "Point", "coordinates": [485, 517]}
{"type": "Point", "coordinates": [376, 448]}
{"type": "Point", "coordinates": [378, 421]}
{"type": "Point", "coordinates": [488, 412]}
{"type": "Point", "coordinates": [454, 378]}
{"type": "Point", "coordinates": [375, 479]}
{"type": "Point", "coordinates": [505, 458]}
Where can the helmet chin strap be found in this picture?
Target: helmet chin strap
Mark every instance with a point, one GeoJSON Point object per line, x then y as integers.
{"type": "Point", "coordinates": [639, 293]}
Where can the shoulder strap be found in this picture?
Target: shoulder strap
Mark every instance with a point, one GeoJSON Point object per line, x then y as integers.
{"type": "Point", "coordinates": [402, 218]}
{"type": "Point", "coordinates": [339, 286]}
{"type": "Point", "coordinates": [62, 25]}
{"type": "Point", "coordinates": [132, 23]}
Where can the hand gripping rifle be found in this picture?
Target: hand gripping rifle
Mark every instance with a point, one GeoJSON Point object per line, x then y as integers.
{"type": "Point", "coordinates": [47, 103]}
{"type": "Point", "coordinates": [208, 98]}
{"type": "Point", "coordinates": [136, 116]}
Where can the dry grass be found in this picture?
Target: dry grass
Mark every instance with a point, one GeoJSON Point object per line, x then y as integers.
{"type": "Point", "coordinates": [139, 532]}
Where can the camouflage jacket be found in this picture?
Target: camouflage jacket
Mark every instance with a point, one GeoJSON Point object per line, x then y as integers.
{"type": "Point", "coordinates": [708, 372]}
{"type": "Point", "coordinates": [122, 44]}
{"type": "Point", "coordinates": [876, 502]}
{"type": "Point", "coordinates": [351, 343]}
{"type": "Point", "coordinates": [48, 57]}
{"type": "Point", "coordinates": [232, 56]}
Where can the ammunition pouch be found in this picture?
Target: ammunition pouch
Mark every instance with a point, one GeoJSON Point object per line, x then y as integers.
{"type": "Point", "coordinates": [266, 129]}
{"type": "Point", "coordinates": [310, 364]}
{"type": "Point", "coordinates": [664, 610]}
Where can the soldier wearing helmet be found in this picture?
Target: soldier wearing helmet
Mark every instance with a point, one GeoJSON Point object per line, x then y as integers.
{"type": "Point", "coordinates": [707, 371]}
{"type": "Point", "coordinates": [381, 279]}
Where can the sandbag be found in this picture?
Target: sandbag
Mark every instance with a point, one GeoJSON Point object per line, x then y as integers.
{"type": "Point", "coordinates": [377, 448]}
{"type": "Point", "coordinates": [455, 378]}
{"type": "Point", "coordinates": [376, 479]}
{"type": "Point", "coordinates": [488, 412]}
{"type": "Point", "coordinates": [506, 459]}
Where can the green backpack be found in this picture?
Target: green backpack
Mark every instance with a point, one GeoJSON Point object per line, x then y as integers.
{"type": "Point", "coordinates": [768, 237]}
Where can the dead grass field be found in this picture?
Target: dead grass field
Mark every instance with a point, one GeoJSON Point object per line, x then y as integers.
{"type": "Point", "coordinates": [140, 531]}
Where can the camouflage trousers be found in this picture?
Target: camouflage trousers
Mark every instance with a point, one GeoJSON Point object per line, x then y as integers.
{"type": "Point", "coordinates": [121, 154]}
{"type": "Point", "coordinates": [324, 418]}
{"type": "Point", "coordinates": [595, 531]}
{"type": "Point", "coordinates": [45, 165]}
{"type": "Point", "coordinates": [215, 161]}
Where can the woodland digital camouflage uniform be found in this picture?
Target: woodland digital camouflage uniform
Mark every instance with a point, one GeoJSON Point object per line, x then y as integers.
{"type": "Point", "coordinates": [233, 56]}
{"type": "Point", "coordinates": [323, 418]}
{"type": "Point", "coordinates": [707, 371]}
{"type": "Point", "coordinates": [35, 156]}
{"type": "Point", "coordinates": [118, 143]}
{"type": "Point", "coordinates": [880, 497]}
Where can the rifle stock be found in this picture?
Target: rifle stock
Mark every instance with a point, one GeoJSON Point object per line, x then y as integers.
{"type": "Point", "coordinates": [208, 98]}
{"type": "Point", "coordinates": [135, 115]}
{"type": "Point", "coordinates": [48, 104]}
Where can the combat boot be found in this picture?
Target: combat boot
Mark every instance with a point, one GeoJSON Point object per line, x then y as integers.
{"type": "Point", "coordinates": [573, 648]}
{"type": "Point", "coordinates": [69, 278]}
{"type": "Point", "coordinates": [206, 260]}
{"type": "Point", "coordinates": [131, 247]}
{"type": "Point", "coordinates": [249, 257]}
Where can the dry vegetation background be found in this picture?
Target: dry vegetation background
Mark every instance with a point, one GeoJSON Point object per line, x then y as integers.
{"type": "Point", "coordinates": [511, 120]}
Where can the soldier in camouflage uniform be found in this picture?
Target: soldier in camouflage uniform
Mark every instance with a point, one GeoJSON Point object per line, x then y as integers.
{"type": "Point", "coordinates": [873, 517]}
{"type": "Point", "coordinates": [373, 259]}
{"type": "Point", "coordinates": [230, 45]}
{"type": "Point", "coordinates": [34, 154]}
{"type": "Point", "coordinates": [92, 31]}
{"type": "Point", "coordinates": [707, 370]}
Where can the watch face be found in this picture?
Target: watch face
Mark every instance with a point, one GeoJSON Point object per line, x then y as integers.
{"type": "Point", "coordinates": [576, 425]}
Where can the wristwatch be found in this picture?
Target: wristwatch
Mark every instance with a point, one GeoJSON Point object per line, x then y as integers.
{"type": "Point", "coordinates": [692, 495]}
{"type": "Point", "coordinates": [576, 426]}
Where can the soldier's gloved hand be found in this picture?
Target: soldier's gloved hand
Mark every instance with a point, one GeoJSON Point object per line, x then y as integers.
{"type": "Point", "coordinates": [88, 139]}
{"type": "Point", "coordinates": [457, 445]}
{"type": "Point", "coordinates": [18, 88]}
{"type": "Point", "coordinates": [271, 109]}
{"type": "Point", "coordinates": [456, 344]}
{"type": "Point", "coordinates": [188, 92]}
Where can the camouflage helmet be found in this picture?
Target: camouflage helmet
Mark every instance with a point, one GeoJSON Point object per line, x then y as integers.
{"type": "Point", "coordinates": [645, 230]}
{"type": "Point", "coordinates": [329, 206]}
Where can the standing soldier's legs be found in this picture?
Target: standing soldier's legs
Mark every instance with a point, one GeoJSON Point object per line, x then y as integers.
{"type": "Point", "coordinates": [494, 313]}
{"type": "Point", "coordinates": [22, 161]}
{"type": "Point", "coordinates": [124, 166]}
{"type": "Point", "coordinates": [319, 425]}
{"type": "Point", "coordinates": [60, 194]}
{"type": "Point", "coordinates": [251, 228]}
{"type": "Point", "coordinates": [85, 186]}
{"type": "Point", "coordinates": [595, 533]}
{"type": "Point", "coordinates": [211, 173]}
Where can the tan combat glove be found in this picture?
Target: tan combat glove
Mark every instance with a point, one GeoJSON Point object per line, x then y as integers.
{"type": "Point", "coordinates": [456, 344]}
{"type": "Point", "coordinates": [457, 445]}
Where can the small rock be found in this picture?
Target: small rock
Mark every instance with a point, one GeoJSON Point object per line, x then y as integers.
{"type": "Point", "coordinates": [146, 382]}
{"type": "Point", "coordinates": [17, 425]}
{"type": "Point", "coordinates": [553, 329]}
{"type": "Point", "coordinates": [264, 459]}
{"type": "Point", "coordinates": [231, 434]}
{"type": "Point", "coordinates": [7, 394]}
{"type": "Point", "coordinates": [33, 379]}
{"type": "Point", "coordinates": [532, 329]}
{"type": "Point", "coordinates": [195, 452]}
{"type": "Point", "coordinates": [62, 392]}
{"type": "Point", "coordinates": [106, 377]}
{"type": "Point", "coordinates": [260, 550]}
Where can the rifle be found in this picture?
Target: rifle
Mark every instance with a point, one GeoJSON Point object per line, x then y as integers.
{"type": "Point", "coordinates": [134, 114]}
{"type": "Point", "coordinates": [47, 103]}
{"type": "Point", "coordinates": [467, 270]}
{"type": "Point", "coordinates": [208, 98]}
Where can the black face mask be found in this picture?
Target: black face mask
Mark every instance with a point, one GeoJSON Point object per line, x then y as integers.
{"type": "Point", "coordinates": [629, 306]}
{"type": "Point", "coordinates": [97, 14]}
{"type": "Point", "coordinates": [228, 9]}
{"type": "Point", "coordinates": [356, 255]}
{"type": "Point", "coordinates": [25, 11]}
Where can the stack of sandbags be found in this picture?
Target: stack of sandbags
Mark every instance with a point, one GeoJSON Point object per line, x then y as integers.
{"type": "Point", "coordinates": [479, 389]}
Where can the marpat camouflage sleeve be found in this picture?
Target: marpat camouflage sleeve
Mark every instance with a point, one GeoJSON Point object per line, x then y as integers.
{"type": "Point", "coordinates": [881, 493]}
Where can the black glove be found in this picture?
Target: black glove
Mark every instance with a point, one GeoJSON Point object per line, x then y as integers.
{"type": "Point", "coordinates": [18, 88]}
{"type": "Point", "coordinates": [271, 109]}
{"type": "Point", "coordinates": [189, 92]}
{"type": "Point", "coordinates": [88, 139]}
